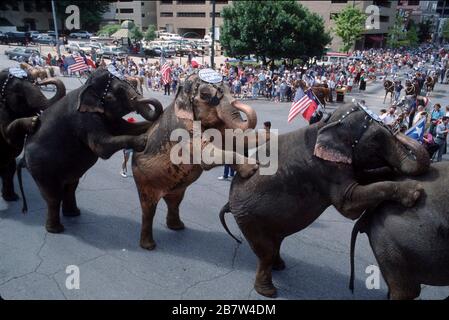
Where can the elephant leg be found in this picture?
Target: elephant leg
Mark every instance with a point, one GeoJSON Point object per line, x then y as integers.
{"type": "Point", "coordinates": [173, 201]}
{"type": "Point", "coordinates": [53, 197]}
{"type": "Point", "coordinates": [400, 284]}
{"type": "Point", "coordinates": [8, 192]}
{"type": "Point", "coordinates": [69, 207]}
{"type": "Point", "coordinates": [148, 204]}
{"type": "Point", "coordinates": [279, 264]}
{"type": "Point", "coordinates": [358, 198]}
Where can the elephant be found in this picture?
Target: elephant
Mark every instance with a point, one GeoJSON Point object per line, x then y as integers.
{"type": "Point", "coordinates": [411, 245]}
{"type": "Point", "coordinates": [21, 100]}
{"type": "Point", "coordinates": [156, 176]}
{"type": "Point", "coordinates": [83, 126]}
{"type": "Point", "coordinates": [319, 166]}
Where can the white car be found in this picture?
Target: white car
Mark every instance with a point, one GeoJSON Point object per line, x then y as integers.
{"type": "Point", "coordinates": [79, 46]}
{"type": "Point", "coordinates": [81, 34]}
{"type": "Point", "coordinates": [170, 36]}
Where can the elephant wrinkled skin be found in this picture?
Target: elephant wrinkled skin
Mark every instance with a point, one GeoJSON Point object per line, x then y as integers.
{"type": "Point", "coordinates": [318, 167]}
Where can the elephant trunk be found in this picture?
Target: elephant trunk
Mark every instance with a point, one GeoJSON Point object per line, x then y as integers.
{"type": "Point", "coordinates": [141, 106]}
{"type": "Point", "coordinates": [410, 157]}
{"type": "Point", "coordinates": [43, 102]}
{"type": "Point", "coordinates": [235, 121]}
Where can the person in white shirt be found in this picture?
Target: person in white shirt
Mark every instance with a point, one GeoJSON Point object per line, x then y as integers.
{"type": "Point", "coordinates": [391, 117]}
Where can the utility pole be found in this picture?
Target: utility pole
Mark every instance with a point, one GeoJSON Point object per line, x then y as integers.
{"type": "Point", "coordinates": [55, 22]}
{"type": "Point", "coordinates": [212, 49]}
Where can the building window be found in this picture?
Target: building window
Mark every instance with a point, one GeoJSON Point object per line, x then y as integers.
{"type": "Point", "coordinates": [143, 15]}
{"type": "Point", "coordinates": [382, 3]}
{"type": "Point", "coordinates": [28, 6]}
{"type": "Point", "coordinates": [127, 10]}
{"type": "Point", "coordinates": [166, 2]}
{"type": "Point", "coordinates": [116, 10]}
{"type": "Point", "coordinates": [339, 1]}
{"type": "Point", "coordinates": [38, 5]}
{"type": "Point", "coordinates": [413, 2]}
{"type": "Point", "coordinates": [15, 6]}
{"type": "Point", "coordinates": [142, 4]}
{"type": "Point", "coordinates": [221, 1]}
{"type": "Point", "coordinates": [191, 2]}
{"type": "Point", "coordinates": [166, 14]}
{"type": "Point", "coordinates": [333, 15]}
{"type": "Point", "coordinates": [217, 14]}
{"type": "Point", "coordinates": [191, 14]}
{"type": "Point", "coordinates": [384, 18]}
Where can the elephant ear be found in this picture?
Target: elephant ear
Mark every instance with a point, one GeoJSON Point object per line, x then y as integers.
{"type": "Point", "coordinates": [183, 104]}
{"type": "Point", "coordinates": [88, 101]}
{"type": "Point", "coordinates": [333, 144]}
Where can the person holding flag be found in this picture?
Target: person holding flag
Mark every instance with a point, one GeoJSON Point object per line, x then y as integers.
{"type": "Point", "coordinates": [306, 104]}
{"type": "Point", "coordinates": [166, 74]}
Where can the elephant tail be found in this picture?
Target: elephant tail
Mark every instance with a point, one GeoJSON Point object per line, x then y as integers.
{"type": "Point", "coordinates": [223, 221]}
{"type": "Point", "coordinates": [20, 166]}
{"type": "Point", "coordinates": [359, 227]}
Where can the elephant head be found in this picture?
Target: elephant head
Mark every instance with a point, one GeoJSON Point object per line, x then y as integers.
{"type": "Point", "coordinates": [108, 93]}
{"type": "Point", "coordinates": [212, 104]}
{"type": "Point", "coordinates": [23, 98]}
{"type": "Point", "coordinates": [354, 136]}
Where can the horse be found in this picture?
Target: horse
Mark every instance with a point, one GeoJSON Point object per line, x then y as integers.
{"type": "Point", "coordinates": [389, 89]}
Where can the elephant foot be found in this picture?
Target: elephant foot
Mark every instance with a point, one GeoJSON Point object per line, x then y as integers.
{"type": "Point", "coordinates": [247, 170]}
{"type": "Point", "coordinates": [175, 225]}
{"type": "Point", "coordinates": [267, 289]}
{"type": "Point", "coordinates": [54, 227]}
{"type": "Point", "coordinates": [409, 193]}
{"type": "Point", "coordinates": [148, 244]}
{"type": "Point", "coordinates": [279, 265]}
{"type": "Point", "coordinates": [75, 212]}
{"type": "Point", "coordinates": [10, 196]}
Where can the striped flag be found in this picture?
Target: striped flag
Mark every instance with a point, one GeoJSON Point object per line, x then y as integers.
{"type": "Point", "coordinates": [303, 104]}
{"type": "Point", "coordinates": [79, 65]}
{"type": "Point", "coordinates": [166, 73]}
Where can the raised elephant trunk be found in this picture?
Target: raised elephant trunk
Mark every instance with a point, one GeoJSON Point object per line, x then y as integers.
{"type": "Point", "coordinates": [141, 106]}
{"type": "Point", "coordinates": [42, 102]}
{"type": "Point", "coordinates": [235, 121]}
{"type": "Point", "coordinates": [412, 160]}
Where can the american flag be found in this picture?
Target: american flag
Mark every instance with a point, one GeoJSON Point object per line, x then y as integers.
{"type": "Point", "coordinates": [79, 65]}
{"type": "Point", "coordinates": [304, 104]}
{"type": "Point", "coordinates": [166, 73]}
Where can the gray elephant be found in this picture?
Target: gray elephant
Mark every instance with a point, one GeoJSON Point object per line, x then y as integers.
{"type": "Point", "coordinates": [157, 176]}
{"type": "Point", "coordinates": [21, 99]}
{"type": "Point", "coordinates": [83, 126]}
{"type": "Point", "coordinates": [411, 245]}
{"type": "Point", "coordinates": [320, 166]}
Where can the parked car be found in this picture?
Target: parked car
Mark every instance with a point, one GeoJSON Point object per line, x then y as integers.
{"type": "Point", "coordinates": [45, 39]}
{"type": "Point", "coordinates": [78, 47]}
{"type": "Point", "coordinates": [34, 34]}
{"type": "Point", "coordinates": [157, 52]}
{"type": "Point", "coordinates": [21, 38]}
{"type": "Point", "coordinates": [16, 53]}
{"type": "Point", "coordinates": [80, 34]}
{"type": "Point", "coordinates": [110, 51]}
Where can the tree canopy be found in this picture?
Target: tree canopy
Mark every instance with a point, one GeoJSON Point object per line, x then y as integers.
{"type": "Point", "coordinates": [349, 26]}
{"type": "Point", "coordinates": [272, 30]}
{"type": "Point", "coordinates": [150, 34]}
{"type": "Point", "coordinates": [91, 12]}
{"type": "Point", "coordinates": [109, 29]}
{"type": "Point", "coordinates": [445, 31]}
{"type": "Point", "coordinates": [401, 35]}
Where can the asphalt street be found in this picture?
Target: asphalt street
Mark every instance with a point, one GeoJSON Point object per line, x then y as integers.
{"type": "Point", "coordinates": [200, 262]}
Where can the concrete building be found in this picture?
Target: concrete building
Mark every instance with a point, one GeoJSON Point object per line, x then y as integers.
{"type": "Point", "coordinates": [329, 10]}
{"type": "Point", "coordinates": [410, 9]}
{"type": "Point", "coordinates": [188, 18]}
{"type": "Point", "coordinates": [142, 13]}
{"type": "Point", "coordinates": [27, 15]}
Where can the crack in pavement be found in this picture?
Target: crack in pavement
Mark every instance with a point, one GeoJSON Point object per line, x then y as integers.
{"type": "Point", "coordinates": [204, 281]}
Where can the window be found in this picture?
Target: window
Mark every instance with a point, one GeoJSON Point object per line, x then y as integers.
{"type": "Point", "coordinates": [166, 14]}
{"type": "Point", "coordinates": [382, 3]}
{"type": "Point", "coordinates": [191, 2]}
{"type": "Point", "coordinates": [28, 6]}
{"type": "Point", "coordinates": [413, 2]}
{"type": "Point", "coordinates": [143, 15]}
{"type": "Point", "coordinates": [38, 5]}
{"type": "Point", "coordinates": [142, 4]}
{"type": "Point", "coordinates": [221, 1]}
{"type": "Point", "coordinates": [191, 14]}
{"type": "Point", "coordinates": [217, 14]}
{"type": "Point", "coordinates": [15, 6]}
{"type": "Point", "coordinates": [384, 18]}
{"type": "Point", "coordinates": [166, 1]}
{"type": "Point", "coordinates": [126, 10]}
{"type": "Point", "coordinates": [339, 1]}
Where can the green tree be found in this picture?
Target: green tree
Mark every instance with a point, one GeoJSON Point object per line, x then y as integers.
{"type": "Point", "coordinates": [397, 35]}
{"type": "Point", "coordinates": [425, 30]}
{"type": "Point", "coordinates": [412, 37]}
{"type": "Point", "coordinates": [136, 34]}
{"type": "Point", "coordinates": [349, 26]}
{"type": "Point", "coordinates": [272, 30]}
{"type": "Point", "coordinates": [150, 34]}
{"type": "Point", "coordinates": [109, 29]}
{"type": "Point", "coordinates": [445, 31]}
